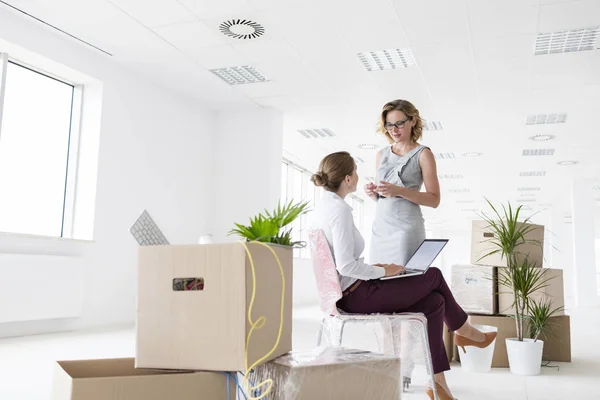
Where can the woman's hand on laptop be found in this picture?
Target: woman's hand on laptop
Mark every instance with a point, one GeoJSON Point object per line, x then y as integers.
{"type": "Point", "coordinates": [392, 269]}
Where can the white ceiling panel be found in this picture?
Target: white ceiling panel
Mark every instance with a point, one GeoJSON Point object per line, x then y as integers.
{"type": "Point", "coordinates": [437, 31]}
{"type": "Point", "coordinates": [456, 81]}
{"type": "Point", "coordinates": [566, 70]}
{"type": "Point", "coordinates": [428, 9]}
{"type": "Point", "coordinates": [219, 56]}
{"type": "Point", "coordinates": [571, 15]}
{"type": "Point", "coordinates": [189, 36]}
{"type": "Point", "coordinates": [264, 89]}
{"type": "Point", "coordinates": [492, 18]}
{"type": "Point", "coordinates": [209, 9]}
{"type": "Point", "coordinates": [156, 12]}
{"type": "Point", "coordinates": [284, 103]}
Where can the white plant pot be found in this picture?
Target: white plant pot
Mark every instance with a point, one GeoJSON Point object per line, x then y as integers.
{"type": "Point", "coordinates": [474, 359]}
{"type": "Point", "coordinates": [524, 358]}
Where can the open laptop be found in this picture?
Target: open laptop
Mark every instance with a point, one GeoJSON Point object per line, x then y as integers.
{"type": "Point", "coordinates": [422, 259]}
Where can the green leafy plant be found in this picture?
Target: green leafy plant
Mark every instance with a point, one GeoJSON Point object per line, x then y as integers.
{"type": "Point", "coordinates": [539, 317]}
{"type": "Point", "coordinates": [523, 276]}
{"type": "Point", "coordinates": [270, 227]}
{"type": "Point", "coordinates": [525, 279]}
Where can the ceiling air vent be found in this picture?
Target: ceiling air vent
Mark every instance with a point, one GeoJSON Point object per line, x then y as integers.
{"type": "Point", "coordinates": [567, 41]}
{"type": "Point", "coordinates": [316, 133]}
{"type": "Point", "coordinates": [533, 173]}
{"type": "Point", "coordinates": [444, 156]}
{"type": "Point", "coordinates": [538, 152]}
{"type": "Point", "coordinates": [451, 176]}
{"type": "Point", "coordinates": [240, 75]}
{"type": "Point", "coordinates": [387, 59]}
{"type": "Point", "coordinates": [241, 29]}
{"type": "Point", "coordinates": [433, 126]}
{"type": "Point", "coordinates": [546, 119]}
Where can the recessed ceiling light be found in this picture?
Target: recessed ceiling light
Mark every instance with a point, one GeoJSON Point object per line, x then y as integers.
{"type": "Point", "coordinates": [433, 126]}
{"type": "Point", "coordinates": [241, 29]}
{"type": "Point", "coordinates": [444, 156]}
{"type": "Point", "coordinates": [316, 133]}
{"type": "Point", "coordinates": [526, 200]}
{"type": "Point", "coordinates": [532, 173]}
{"type": "Point", "coordinates": [545, 119]}
{"type": "Point", "coordinates": [451, 176]}
{"type": "Point", "coordinates": [529, 189]}
{"type": "Point", "coordinates": [367, 146]}
{"type": "Point", "coordinates": [471, 154]}
{"type": "Point", "coordinates": [240, 75]}
{"type": "Point", "coordinates": [596, 187]}
{"type": "Point", "coordinates": [465, 201]}
{"type": "Point", "coordinates": [566, 41]}
{"type": "Point", "coordinates": [387, 59]}
{"type": "Point", "coordinates": [462, 190]}
{"type": "Point", "coordinates": [470, 210]}
{"type": "Point", "coordinates": [542, 138]}
{"type": "Point", "coordinates": [567, 162]}
{"type": "Point", "coordinates": [538, 152]}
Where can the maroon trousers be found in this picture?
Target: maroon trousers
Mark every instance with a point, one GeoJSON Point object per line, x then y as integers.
{"type": "Point", "coordinates": [428, 294]}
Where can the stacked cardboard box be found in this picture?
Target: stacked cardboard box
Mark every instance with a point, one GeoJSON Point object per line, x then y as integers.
{"type": "Point", "coordinates": [205, 313]}
{"type": "Point", "coordinates": [478, 289]}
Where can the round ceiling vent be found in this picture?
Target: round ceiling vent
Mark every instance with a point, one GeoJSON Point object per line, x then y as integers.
{"type": "Point", "coordinates": [242, 29]}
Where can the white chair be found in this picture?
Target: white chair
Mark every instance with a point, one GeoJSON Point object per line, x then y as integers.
{"type": "Point", "coordinates": [395, 327]}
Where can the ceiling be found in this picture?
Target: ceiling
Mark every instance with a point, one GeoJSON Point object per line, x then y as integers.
{"type": "Point", "coordinates": [475, 72]}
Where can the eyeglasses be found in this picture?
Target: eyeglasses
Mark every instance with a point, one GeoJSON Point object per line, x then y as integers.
{"type": "Point", "coordinates": [399, 124]}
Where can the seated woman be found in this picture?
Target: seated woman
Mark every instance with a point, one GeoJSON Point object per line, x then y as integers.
{"type": "Point", "coordinates": [362, 290]}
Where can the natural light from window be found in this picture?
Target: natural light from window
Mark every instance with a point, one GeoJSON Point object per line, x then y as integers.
{"type": "Point", "coordinates": [34, 145]}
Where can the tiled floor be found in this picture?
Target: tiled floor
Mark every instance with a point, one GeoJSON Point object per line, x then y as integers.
{"type": "Point", "coordinates": [26, 363]}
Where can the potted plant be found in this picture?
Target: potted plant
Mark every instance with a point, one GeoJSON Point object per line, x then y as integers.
{"type": "Point", "coordinates": [524, 278]}
{"type": "Point", "coordinates": [270, 227]}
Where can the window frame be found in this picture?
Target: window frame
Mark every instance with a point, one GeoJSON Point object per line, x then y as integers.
{"type": "Point", "coordinates": [74, 137]}
{"type": "Point", "coordinates": [305, 187]}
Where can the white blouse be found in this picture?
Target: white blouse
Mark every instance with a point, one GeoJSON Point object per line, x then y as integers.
{"type": "Point", "coordinates": [334, 216]}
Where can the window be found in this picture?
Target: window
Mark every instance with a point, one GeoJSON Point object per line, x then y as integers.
{"type": "Point", "coordinates": [296, 186]}
{"type": "Point", "coordinates": [36, 143]}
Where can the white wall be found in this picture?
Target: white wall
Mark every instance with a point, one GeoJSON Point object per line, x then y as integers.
{"type": "Point", "coordinates": [155, 153]}
{"type": "Point", "coordinates": [248, 153]}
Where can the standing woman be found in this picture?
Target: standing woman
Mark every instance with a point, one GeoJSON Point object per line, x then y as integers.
{"type": "Point", "coordinates": [402, 168]}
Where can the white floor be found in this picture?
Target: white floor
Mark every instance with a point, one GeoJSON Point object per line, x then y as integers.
{"type": "Point", "coordinates": [26, 363]}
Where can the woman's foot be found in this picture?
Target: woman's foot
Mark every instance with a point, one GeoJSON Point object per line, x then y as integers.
{"type": "Point", "coordinates": [462, 341]}
{"type": "Point", "coordinates": [442, 391]}
{"type": "Point", "coordinates": [470, 332]}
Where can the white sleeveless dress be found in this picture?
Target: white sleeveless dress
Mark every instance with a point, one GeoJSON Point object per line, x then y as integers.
{"type": "Point", "coordinates": [399, 227]}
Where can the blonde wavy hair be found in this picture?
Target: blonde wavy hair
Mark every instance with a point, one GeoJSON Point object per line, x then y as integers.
{"type": "Point", "coordinates": [410, 111]}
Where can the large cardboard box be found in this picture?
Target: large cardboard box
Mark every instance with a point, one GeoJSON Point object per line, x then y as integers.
{"type": "Point", "coordinates": [330, 374]}
{"type": "Point", "coordinates": [117, 379]}
{"type": "Point", "coordinates": [475, 288]}
{"type": "Point", "coordinates": [557, 342]}
{"type": "Point", "coordinates": [481, 235]}
{"type": "Point", "coordinates": [554, 291]}
{"type": "Point", "coordinates": [194, 303]}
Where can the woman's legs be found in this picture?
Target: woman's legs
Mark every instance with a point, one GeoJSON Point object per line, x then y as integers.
{"type": "Point", "coordinates": [427, 293]}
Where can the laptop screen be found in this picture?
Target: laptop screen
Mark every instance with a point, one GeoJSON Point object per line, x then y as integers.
{"type": "Point", "coordinates": [426, 254]}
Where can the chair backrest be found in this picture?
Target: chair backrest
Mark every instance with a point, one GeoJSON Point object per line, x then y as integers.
{"type": "Point", "coordinates": [326, 275]}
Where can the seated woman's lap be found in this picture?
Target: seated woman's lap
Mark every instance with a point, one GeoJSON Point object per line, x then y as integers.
{"type": "Point", "coordinates": [394, 295]}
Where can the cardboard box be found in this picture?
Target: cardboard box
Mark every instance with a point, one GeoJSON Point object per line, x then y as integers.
{"type": "Point", "coordinates": [205, 326]}
{"type": "Point", "coordinates": [557, 343]}
{"type": "Point", "coordinates": [481, 235]}
{"type": "Point", "coordinates": [117, 379]}
{"type": "Point", "coordinates": [554, 290]}
{"type": "Point", "coordinates": [330, 374]}
{"type": "Point", "coordinates": [475, 288]}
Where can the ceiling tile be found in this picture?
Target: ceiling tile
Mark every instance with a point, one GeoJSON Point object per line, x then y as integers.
{"type": "Point", "coordinates": [491, 18]}
{"type": "Point", "coordinates": [208, 9]}
{"type": "Point", "coordinates": [571, 15]}
{"type": "Point", "coordinates": [436, 31]}
{"type": "Point", "coordinates": [189, 36]}
{"type": "Point", "coordinates": [428, 9]}
{"type": "Point", "coordinates": [156, 12]}
{"type": "Point", "coordinates": [218, 56]}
